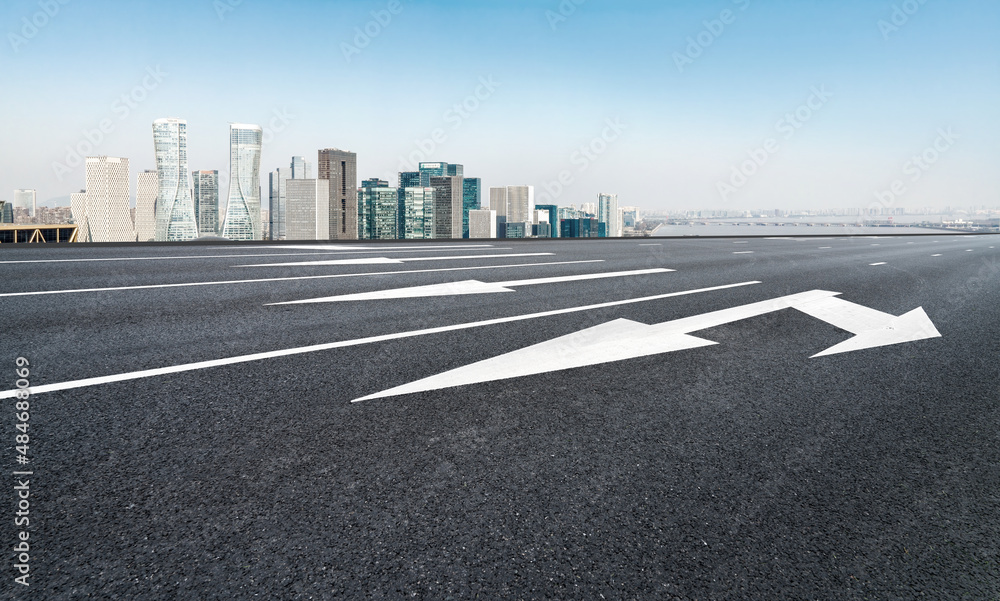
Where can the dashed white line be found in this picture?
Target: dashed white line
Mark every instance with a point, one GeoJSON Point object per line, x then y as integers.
{"type": "Point", "coordinates": [937, 255]}
{"type": "Point", "coordinates": [878, 264]}
{"type": "Point", "coordinates": [745, 252]}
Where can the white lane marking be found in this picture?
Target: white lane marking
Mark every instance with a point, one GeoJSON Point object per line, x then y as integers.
{"type": "Point", "coordinates": [877, 264]}
{"type": "Point", "coordinates": [149, 373]}
{"type": "Point", "coordinates": [388, 261]}
{"type": "Point", "coordinates": [937, 255]}
{"type": "Point", "coordinates": [745, 252]}
{"type": "Point", "coordinates": [825, 247]}
{"type": "Point", "coordinates": [624, 339]}
{"type": "Point", "coordinates": [467, 287]}
{"type": "Point", "coordinates": [741, 243]}
{"type": "Point", "coordinates": [970, 250]}
{"type": "Point", "coordinates": [876, 245]}
{"type": "Point", "coordinates": [255, 256]}
{"type": "Point", "coordinates": [650, 245]}
{"type": "Point", "coordinates": [351, 247]}
{"type": "Point", "coordinates": [294, 279]}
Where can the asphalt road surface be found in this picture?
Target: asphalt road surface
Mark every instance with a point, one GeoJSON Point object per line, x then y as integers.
{"type": "Point", "coordinates": [747, 469]}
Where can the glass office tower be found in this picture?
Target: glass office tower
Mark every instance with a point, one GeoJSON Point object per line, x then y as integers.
{"type": "Point", "coordinates": [243, 208]}
{"type": "Point", "coordinates": [175, 219]}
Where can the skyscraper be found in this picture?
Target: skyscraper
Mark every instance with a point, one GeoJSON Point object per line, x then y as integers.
{"type": "Point", "coordinates": [607, 214]}
{"type": "Point", "coordinates": [78, 209]}
{"type": "Point", "coordinates": [26, 199]}
{"type": "Point", "coordinates": [416, 213]}
{"type": "Point", "coordinates": [483, 224]}
{"type": "Point", "coordinates": [340, 167]}
{"type": "Point", "coordinates": [378, 211]}
{"type": "Point", "coordinates": [243, 208]}
{"type": "Point", "coordinates": [308, 206]}
{"type": "Point", "coordinates": [447, 207]}
{"type": "Point", "coordinates": [277, 187]}
{"type": "Point", "coordinates": [301, 168]}
{"type": "Point", "coordinates": [520, 201]}
{"type": "Point", "coordinates": [206, 201]}
{"type": "Point", "coordinates": [429, 170]}
{"type": "Point", "coordinates": [472, 197]}
{"type": "Point", "coordinates": [146, 190]}
{"type": "Point", "coordinates": [6, 212]}
{"type": "Point", "coordinates": [175, 219]}
{"type": "Point", "coordinates": [455, 170]}
{"type": "Point", "coordinates": [108, 215]}
{"type": "Point", "coordinates": [553, 217]}
{"type": "Point", "coordinates": [410, 179]}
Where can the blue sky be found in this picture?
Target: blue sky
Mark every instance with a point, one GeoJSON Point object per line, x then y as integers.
{"type": "Point", "coordinates": [560, 71]}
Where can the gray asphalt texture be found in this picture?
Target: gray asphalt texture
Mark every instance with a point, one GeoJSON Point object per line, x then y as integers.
{"type": "Point", "coordinates": [744, 470]}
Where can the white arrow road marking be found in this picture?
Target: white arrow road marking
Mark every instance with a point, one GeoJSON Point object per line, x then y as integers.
{"type": "Point", "coordinates": [356, 250]}
{"type": "Point", "coordinates": [467, 287]}
{"type": "Point", "coordinates": [294, 279]}
{"type": "Point", "coordinates": [623, 339]}
{"type": "Point", "coordinates": [149, 373]}
{"type": "Point", "coordinates": [388, 261]}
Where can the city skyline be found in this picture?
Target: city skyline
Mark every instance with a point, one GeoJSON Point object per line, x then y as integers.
{"type": "Point", "coordinates": [829, 105]}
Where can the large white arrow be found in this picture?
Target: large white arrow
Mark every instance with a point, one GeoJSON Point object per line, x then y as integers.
{"type": "Point", "coordinates": [623, 339]}
{"type": "Point", "coordinates": [469, 287]}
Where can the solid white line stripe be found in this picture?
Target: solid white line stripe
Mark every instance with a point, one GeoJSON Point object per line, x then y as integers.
{"type": "Point", "coordinates": [293, 279]}
{"type": "Point", "coordinates": [877, 264]}
{"type": "Point", "coordinates": [259, 255]}
{"type": "Point", "coordinates": [580, 278]}
{"type": "Point", "coordinates": [149, 373]}
{"type": "Point", "coordinates": [384, 260]}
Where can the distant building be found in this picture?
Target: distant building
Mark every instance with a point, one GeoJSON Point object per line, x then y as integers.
{"type": "Point", "coordinates": [26, 199]}
{"type": "Point", "coordinates": [429, 170]}
{"type": "Point", "coordinates": [552, 212]}
{"type": "Point", "coordinates": [483, 224]}
{"type": "Point", "coordinates": [276, 200]}
{"type": "Point", "coordinates": [108, 200]}
{"type": "Point", "coordinates": [518, 229]}
{"type": "Point", "coordinates": [416, 208]}
{"type": "Point", "coordinates": [301, 168]}
{"type": "Point", "coordinates": [243, 219]}
{"type": "Point", "coordinates": [146, 190]}
{"type": "Point", "coordinates": [410, 179]}
{"type": "Point", "coordinates": [448, 191]}
{"type": "Point", "coordinates": [175, 219]}
{"type": "Point", "coordinates": [586, 227]}
{"type": "Point", "coordinates": [472, 200]}
{"type": "Point", "coordinates": [378, 206]}
{"type": "Point", "coordinates": [541, 230]}
{"type": "Point", "coordinates": [340, 168]}
{"type": "Point", "coordinates": [608, 214]}
{"type": "Point", "coordinates": [456, 170]}
{"type": "Point", "coordinates": [308, 207]}
{"type": "Point", "coordinates": [206, 201]}
{"type": "Point", "coordinates": [6, 212]}
{"type": "Point", "coordinates": [78, 208]}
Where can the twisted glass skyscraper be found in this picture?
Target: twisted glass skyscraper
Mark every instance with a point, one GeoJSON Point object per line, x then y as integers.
{"type": "Point", "coordinates": [243, 209]}
{"type": "Point", "coordinates": [175, 220]}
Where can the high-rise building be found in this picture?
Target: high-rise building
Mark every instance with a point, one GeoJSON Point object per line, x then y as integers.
{"type": "Point", "coordinates": [277, 186]}
{"type": "Point", "coordinates": [429, 170]}
{"type": "Point", "coordinates": [456, 170]}
{"type": "Point", "coordinates": [206, 201]}
{"type": "Point", "coordinates": [146, 190]}
{"type": "Point", "coordinates": [416, 208]}
{"type": "Point", "coordinates": [175, 219]}
{"type": "Point", "coordinates": [308, 206]}
{"type": "Point", "coordinates": [410, 179]}
{"type": "Point", "coordinates": [301, 168]}
{"type": "Point", "coordinates": [608, 214]}
{"type": "Point", "coordinates": [340, 167]}
{"type": "Point", "coordinates": [584, 227]}
{"type": "Point", "coordinates": [108, 215]}
{"type": "Point", "coordinates": [26, 199]}
{"type": "Point", "coordinates": [520, 201]}
{"type": "Point", "coordinates": [553, 217]}
{"type": "Point", "coordinates": [379, 212]}
{"type": "Point", "coordinates": [243, 208]}
{"type": "Point", "coordinates": [6, 212]}
{"type": "Point", "coordinates": [448, 192]}
{"type": "Point", "coordinates": [472, 199]}
{"type": "Point", "coordinates": [483, 224]}
{"type": "Point", "coordinates": [498, 201]}
{"type": "Point", "coordinates": [78, 209]}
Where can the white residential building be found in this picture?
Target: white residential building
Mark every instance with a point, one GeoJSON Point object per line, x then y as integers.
{"type": "Point", "coordinates": [307, 209]}
{"type": "Point", "coordinates": [108, 217]}
{"type": "Point", "coordinates": [146, 190]}
{"type": "Point", "coordinates": [78, 208]}
{"type": "Point", "coordinates": [26, 199]}
{"type": "Point", "coordinates": [608, 214]}
{"type": "Point", "coordinates": [483, 224]}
